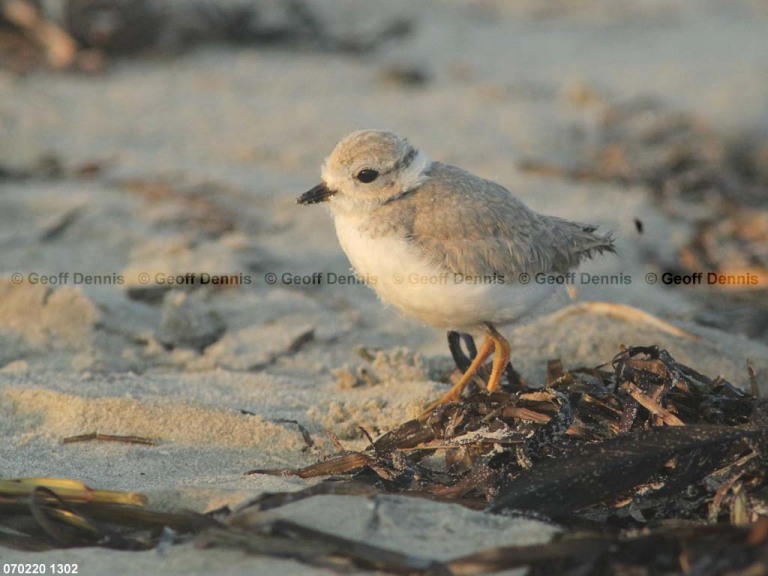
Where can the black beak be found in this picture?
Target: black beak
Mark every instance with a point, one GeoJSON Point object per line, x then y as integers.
{"type": "Point", "coordinates": [319, 193]}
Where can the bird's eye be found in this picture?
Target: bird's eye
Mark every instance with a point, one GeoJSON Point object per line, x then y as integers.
{"type": "Point", "coordinates": [367, 176]}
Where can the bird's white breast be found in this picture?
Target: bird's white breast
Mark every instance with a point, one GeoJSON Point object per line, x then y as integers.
{"type": "Point", "coordinates": [400, 276]}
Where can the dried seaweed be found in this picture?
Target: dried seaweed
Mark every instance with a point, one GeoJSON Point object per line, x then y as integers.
{"type": "Point", "coordinates": [579, 417]}
{"type": "Point", "coordinates": [86, 34]}
{"type": "Point", "coordinates": [583, 475]}
{"type": "Point", "coordinates": [47, 513]}
{"type": "Point", "coordinates": [646, 464]}
{"type": "Point", "coordinates": [689, 549]}
{"type": "Point", "coordinates": [641, 445]}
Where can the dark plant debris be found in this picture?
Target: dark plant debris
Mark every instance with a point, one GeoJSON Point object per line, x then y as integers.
{"type": "Point", "coordinates": [648, 466]}
{"type": "Point", "coordinates": [86, 34]}
{"type": "Point", "coordinates": [646, 463]}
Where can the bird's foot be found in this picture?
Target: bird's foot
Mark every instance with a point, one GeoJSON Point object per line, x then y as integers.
{"type": "Point", "coordinates": [451, 396]}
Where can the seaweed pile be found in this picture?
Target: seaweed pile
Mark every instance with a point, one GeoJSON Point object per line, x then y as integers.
{"type": "Point", "coordinates": [645, 464]}
{"type": "Point", "coordinates": [83, 35]}
{"type": "Point", "coordinates": [648, 420]}
{"type": "Point", "coordinates": [643, 455]}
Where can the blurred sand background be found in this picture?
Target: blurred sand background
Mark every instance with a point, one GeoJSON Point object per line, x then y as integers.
{"type": "Point", "coordinates": [189, 161]}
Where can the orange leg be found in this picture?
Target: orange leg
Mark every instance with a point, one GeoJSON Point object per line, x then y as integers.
{"type": "Point", "coordinates": [454, 394]}
{"type": "Point", "coordinates": [501, 354]}
{"type": "Point", "coordinates": [494, 342]}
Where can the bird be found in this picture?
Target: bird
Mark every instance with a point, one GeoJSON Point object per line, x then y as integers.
{"type": "Point", "coordinates": [445, 246]}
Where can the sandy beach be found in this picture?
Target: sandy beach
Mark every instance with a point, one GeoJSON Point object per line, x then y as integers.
{"type": "Point", "coordinates": [110, 320]}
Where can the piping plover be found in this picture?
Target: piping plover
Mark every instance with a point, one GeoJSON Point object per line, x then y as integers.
{"type": "Point", "coordinates": [450, 248]}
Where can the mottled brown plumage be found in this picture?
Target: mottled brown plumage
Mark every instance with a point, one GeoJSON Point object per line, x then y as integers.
{"type": "Point", "coordinates": [482, 229]}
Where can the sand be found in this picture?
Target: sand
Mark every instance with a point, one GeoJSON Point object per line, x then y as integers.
{"type": "Point", "coordinates": [204, 154]}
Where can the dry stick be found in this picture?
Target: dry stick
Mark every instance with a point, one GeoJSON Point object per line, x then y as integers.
{"type": "Point", "coordinates": [622, 312]}
{"type": "Point", "coordinates": [525, 414]}
{"type": "Point", "coordinates": [753, 385]}
{"type": "Point", "coordinates": [60, 47]}
{"type": "Point", "coordinates": [717, 500]}
{"type": "Point", "coordinates": [109, 438]}
{"type": "Point", "coordinates": [652, 406]}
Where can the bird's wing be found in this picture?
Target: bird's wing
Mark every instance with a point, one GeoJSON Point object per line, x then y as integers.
{"type": "Point", "coordinates": [475, 227]}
